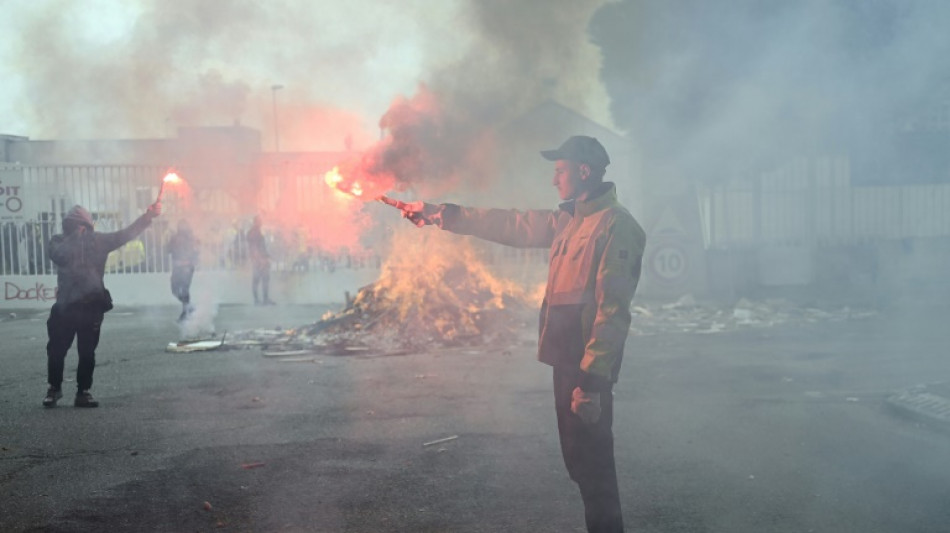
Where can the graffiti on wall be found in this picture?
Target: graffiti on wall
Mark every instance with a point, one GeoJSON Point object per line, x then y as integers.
{"type": "Point", "coordinates": [36, 291]}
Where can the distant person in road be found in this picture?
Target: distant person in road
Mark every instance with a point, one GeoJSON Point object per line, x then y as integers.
{"type": "Point", "coordinates": [82, 300]}
{"type": "Point", "coordinates": [596, 250]}
{"type": "Point", "coordinates": [260, 263]}
{"type": "Point", "coordinates": [183, 249]}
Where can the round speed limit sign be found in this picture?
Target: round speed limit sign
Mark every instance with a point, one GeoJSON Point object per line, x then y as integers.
{"type": "Point", "coordinates": [669, 263]}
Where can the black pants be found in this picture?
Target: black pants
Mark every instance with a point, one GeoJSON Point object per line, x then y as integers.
{"type": "Point", "coordinates": [588, 451]}
{"type": "Point", "coordinates": [82, 322]}
{"type": "Point", "coordinates": [181, 282]}
{"type": "Point", "coordinates": [260, 276]}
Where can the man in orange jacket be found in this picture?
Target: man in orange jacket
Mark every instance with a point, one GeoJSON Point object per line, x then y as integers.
{"type": "Point", "coordinates": [596, 250]}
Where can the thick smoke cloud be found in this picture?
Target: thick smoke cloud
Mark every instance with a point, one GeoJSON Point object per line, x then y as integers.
{"type": "Point", "coordinates": [111, 69]}
{"type": "Point", "coordinates": [714, 90]}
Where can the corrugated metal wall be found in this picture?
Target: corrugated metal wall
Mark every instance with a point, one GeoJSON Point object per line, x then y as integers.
{"type": "Point", "coordinates": [812, 202]}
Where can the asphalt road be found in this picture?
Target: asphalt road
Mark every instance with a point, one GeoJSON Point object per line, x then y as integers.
{"type": "Point", "coordinates": [784, 429]}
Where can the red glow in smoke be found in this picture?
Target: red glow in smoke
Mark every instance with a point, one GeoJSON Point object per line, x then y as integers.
{"type": "Point", "coordinates": [305, 127]}
{"type": "Point", "coordinates": [411, 151]}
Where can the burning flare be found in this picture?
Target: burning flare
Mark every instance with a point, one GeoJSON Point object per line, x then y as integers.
{"type": "Point", "coordinates": [348, 181]}
{"type": "Point", "coordinates": [171, 177]}
{"type": "Point", "coordinates": [335, 180]}
{"type": "Point", "coordinates": [182, 192]}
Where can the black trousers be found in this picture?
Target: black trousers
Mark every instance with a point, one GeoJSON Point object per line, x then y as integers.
{"type": "Point", "coordinates": [588, 451]}
{"type": "Point", "coordinates": [82, 322]}
{"type": "Point", "coordinates": [260, 276]}
{"type": "Point", "coordinates": [181, 282]}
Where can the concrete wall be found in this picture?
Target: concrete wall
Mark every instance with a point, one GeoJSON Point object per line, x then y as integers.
{"type": "Point", "coordinates": [209, 287]}
{"type": "Point", "coordinates": [6, 141]}
{"type": "Point", "coordinates": [200, 146]}
{"type": "Point", "coordinates": [98, 152]}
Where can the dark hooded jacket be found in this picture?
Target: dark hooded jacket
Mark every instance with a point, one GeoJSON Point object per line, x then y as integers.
{"type": "Point", "coordinates": [80, 255]}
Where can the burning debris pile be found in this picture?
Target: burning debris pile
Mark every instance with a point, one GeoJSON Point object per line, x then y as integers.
{"type": "Point", "coordinates": [432, 292]}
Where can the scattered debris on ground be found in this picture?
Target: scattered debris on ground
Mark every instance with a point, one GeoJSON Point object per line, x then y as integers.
{"type": "Point", "coordinates": [424, 300]}
{"type": "Point", "coordinates": [199, 345]}
{"type": "Point", "coordinates": [372, 326]}
{"type": "Point", "coordinates": [686, 315]}
{"type": "Point", "coordinates": [439, 441]}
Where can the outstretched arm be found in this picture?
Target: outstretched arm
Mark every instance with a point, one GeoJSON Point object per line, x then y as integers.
{"type": "Point", "coordinates": [521, 229]}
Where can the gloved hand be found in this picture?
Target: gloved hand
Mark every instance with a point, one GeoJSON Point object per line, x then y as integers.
{"type": "Point", "coordinates": [421, 213]}
{"type": "Point", "coordinates": [586, 405]}
{"type": "Point", "coordinates": [155, 209]}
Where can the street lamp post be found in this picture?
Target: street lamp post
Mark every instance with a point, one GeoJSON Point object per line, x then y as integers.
{"type": "Point", "coordinates": [274, 89]}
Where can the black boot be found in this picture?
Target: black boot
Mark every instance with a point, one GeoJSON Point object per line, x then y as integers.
{"type": "Point", "coordinates": [84, 399]}
{"type": "Point", "coordinates": [52, 395]}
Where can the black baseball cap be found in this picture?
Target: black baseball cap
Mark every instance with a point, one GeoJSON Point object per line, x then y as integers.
{"type": "Point", "coordinates": [580, 149]}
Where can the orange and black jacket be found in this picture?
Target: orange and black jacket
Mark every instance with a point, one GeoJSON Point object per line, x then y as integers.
{"type": "Point", "coordinates": [596, 251]}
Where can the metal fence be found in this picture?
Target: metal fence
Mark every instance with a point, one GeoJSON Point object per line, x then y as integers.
{"type": "Point", "coordinates": [116, 195]}
{"type": "Point", "coordinates": [814, 203]}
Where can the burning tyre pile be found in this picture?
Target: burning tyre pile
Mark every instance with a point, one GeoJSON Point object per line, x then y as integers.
{"type": "Point", "coordinates": [423, 299]}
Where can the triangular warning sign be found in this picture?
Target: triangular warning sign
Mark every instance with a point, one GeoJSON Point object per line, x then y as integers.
{"type": "Point", "coordinates": [668, 224]}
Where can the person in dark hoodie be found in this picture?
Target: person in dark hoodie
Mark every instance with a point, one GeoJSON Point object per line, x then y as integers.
{"type": "Point", "coordinates": [79, 254]}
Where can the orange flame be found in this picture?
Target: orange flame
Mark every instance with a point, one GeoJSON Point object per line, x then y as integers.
{"type": "Point", "coordinates": [336, 180]}
{"type": "Point", "coordinates": [423, 297]}
{"type": "Point", "coordinates": [351, 178]}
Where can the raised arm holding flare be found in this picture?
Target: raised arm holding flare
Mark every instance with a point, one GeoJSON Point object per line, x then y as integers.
{"type": "Point", "coordinates": [80, 254]}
